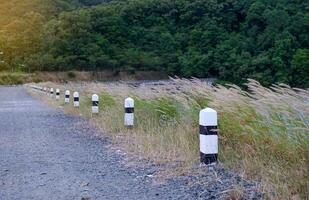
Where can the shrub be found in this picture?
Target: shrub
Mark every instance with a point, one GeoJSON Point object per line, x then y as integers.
{"type": "Point", "coordinates": [71, 74]}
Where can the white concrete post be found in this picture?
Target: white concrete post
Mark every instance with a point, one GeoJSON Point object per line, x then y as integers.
{"type": "Point", "coordinates": [129, 112]}
{"type": "Point", "coordinates": [95, 104]}
{"type": "Point", "coordinates": [208, 136]}
{"type": "Point", "coordinates": [57, 94]}
{"type": "Point", "coordinates": [76, 99]}
{"type": "Point", "coordinates": [51, 92]}
{"type": "Point", "coordinates": [44, 90]}
{"type": "Point", "coordinates": [67, 96]}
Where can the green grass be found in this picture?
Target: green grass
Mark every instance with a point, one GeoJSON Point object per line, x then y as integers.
{"type": "Point", "coordinates": [15, 78]}
{"type": "Point", "coordinates": [106, 101]}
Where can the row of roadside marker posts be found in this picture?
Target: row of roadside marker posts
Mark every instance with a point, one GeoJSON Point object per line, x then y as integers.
{"type": "Point", "coordinates": [208, 121]}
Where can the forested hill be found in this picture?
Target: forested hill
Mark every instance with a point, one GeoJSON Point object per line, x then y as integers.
{"type": "Point", "coordinates": [232, 40]}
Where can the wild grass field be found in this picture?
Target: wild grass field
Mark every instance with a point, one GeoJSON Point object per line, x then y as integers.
{"type": "Point", "coordinates": [263, 132]}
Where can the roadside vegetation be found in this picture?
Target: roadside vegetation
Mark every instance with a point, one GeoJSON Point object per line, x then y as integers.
{"type": "Point", "coordinates": [263, 132]}
{"type": "Point", "coordinates": [9, 78]}
{"type": "Point", "coordinates": [14, 78]}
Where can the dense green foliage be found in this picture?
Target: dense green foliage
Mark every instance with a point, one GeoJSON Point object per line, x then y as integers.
{"type": "Point", "coordinates": [267, 40]}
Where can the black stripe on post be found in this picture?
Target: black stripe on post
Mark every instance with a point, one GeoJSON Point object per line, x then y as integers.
{"type": "Point", "coordinates": [76, 98]}
{"type": "Point", "coordinates": [95, 103]}
{"type": "Point", "coordinates": [57, 93]}
{"type": "Point", "coordinates": [208, 130]}
{"type": "Point", "coordinates": [67, 96]}
{"type": "Point", "coordinates": [129, 110]}
{"type": "Point", "coordinates": [208, 158]}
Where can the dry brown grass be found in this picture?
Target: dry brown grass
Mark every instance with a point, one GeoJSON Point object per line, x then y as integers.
{"type": "Point", "coordinates": [264, 132]}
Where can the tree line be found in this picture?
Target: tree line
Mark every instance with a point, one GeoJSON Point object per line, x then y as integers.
{"type": "Point", "coordinates": [231, 40]}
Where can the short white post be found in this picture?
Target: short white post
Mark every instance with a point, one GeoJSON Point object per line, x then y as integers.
{"type": "Point", "coordinates": [47, 91]}
{"type": "Point", "coordinates": [51, 92]}
{"type": "Point", "coordinates": [208, 136]}
{"type": "Point", "coordinates": [44, 89]}
{"type": "Point", "coordinates": [67, 96]}
{"type": "Point", "coordinates": [57, 94]}
{"type": "Point", "coordinates": [129, 112]}
{"type": "Point", "coordinates": [95, 104]}
{"type": "Point", "coordinates": [76, 99]}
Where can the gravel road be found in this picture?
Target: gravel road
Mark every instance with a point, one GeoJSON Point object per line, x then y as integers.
{"type": "Point", "coordinates": [46, 154]}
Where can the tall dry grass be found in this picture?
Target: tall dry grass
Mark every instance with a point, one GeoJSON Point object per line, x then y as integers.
{"type": "Point", "coordinates": [263, 132]}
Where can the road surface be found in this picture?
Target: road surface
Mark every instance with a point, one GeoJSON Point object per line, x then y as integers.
{"type": "Point", "coordinates": [46, 154]}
